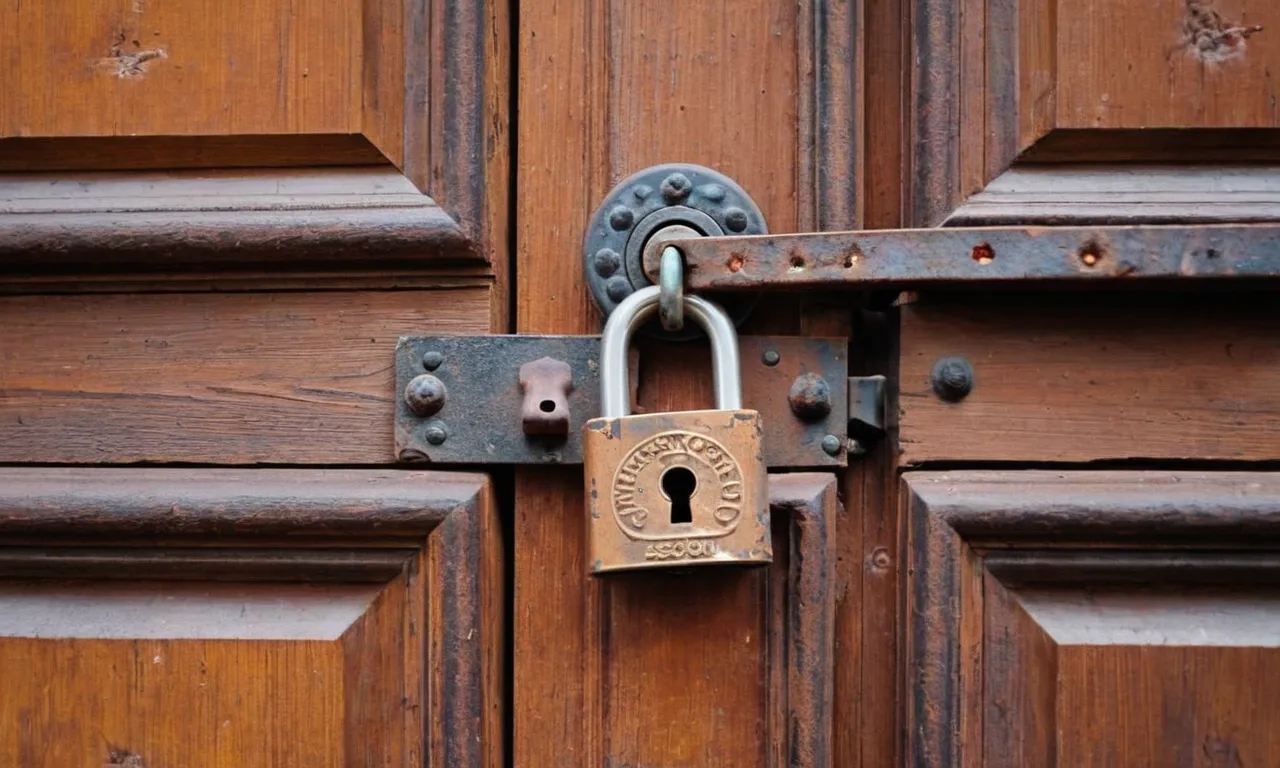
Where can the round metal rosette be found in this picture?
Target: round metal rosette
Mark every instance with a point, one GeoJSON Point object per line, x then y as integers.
{"type": "Point", "coordinates": [666, 199]}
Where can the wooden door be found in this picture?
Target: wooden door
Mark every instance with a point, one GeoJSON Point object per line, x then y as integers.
{"type": "Point", "coordinates": [216, 219]}
{"type": "Point", "coordinates": [1044, 612]}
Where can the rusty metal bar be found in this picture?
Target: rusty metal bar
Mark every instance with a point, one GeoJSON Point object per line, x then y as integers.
{"type": "Point", "coordinates": [921, 258]}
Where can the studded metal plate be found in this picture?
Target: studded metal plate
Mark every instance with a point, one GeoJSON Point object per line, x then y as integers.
{"type": "Point", "coordinates": [645, 203]}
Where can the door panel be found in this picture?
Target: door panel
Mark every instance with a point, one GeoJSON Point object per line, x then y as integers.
{"type": "Point", "coordinates": [667, 672]}
{"type": "Point", "coordinates": [1056, 86]}
{"type": "Point", "coordinates": [1093, 618]}
{"type": "Point", "coordinates": [347, 135]}
{"type": "Point", "coordinates": [1118, 377]}
{"type": "Point", "coordinates": [272, 617]}
{"type": "Point", "coordinates": [227, 377]}
{"type": "Point", "coordinates": [646, 685]}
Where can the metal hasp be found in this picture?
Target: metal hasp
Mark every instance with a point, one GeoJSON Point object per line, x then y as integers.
{"type": "Point", "coordinates": [483, 418]}
{"type": "Point", "coordinates": [976, 257]}
{"type": "Point", "coordinates": [648, 208]}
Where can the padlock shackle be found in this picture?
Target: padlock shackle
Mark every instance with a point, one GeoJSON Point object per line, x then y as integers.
{"type": "Point", "coordinates": [726, 370]}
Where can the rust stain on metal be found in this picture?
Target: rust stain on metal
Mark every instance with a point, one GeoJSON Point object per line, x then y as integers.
{"type": "Point", "coordinates": [983, 253]}
{"type": "Point", "coordinates": [1211, 39]}
{"type": "Point", "coordinates": [546, 384]}
{"type": "Point", "coordinates": [1090, 254]}
{"type": "Point", "coordinates": [736, 262]}
{"type": "Point", "coordinates": [920, 258]}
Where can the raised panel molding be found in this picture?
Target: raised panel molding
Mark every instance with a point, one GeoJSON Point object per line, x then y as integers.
{"type": "Point", "coordinates": [398, 108]}
{"type": "Point", "coordinates": [996, 83]}
{"type": "Point", "coordinates": [1092, 618]}
{"type": "Point", "coordinates": [363, 608]}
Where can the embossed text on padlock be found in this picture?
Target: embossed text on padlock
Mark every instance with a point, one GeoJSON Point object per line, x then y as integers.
{"type": "Point", "coordinates": [673, 490]}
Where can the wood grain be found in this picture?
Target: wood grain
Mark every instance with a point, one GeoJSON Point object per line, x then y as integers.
{"type": "Point", "coordinates": [225, 378]}
{"type": "Point", "coordinates": [129, 153]}
{"type": "Point", "coordinates": [1124, 194]}
{"type": "Point", "coordinates": [994, 82]}
{"type": "Point", "coordinates": [1057, 380]}
{"type": "Point", "coordinates": [173, 222]}
{"type": "Point", "coordinates": [1072, 651]}
{"type": "Point", "coordinates": [607, 89]}
{"type": "Point", "coordinates": [244, 67]}
{"type": "Point", "coordinates": [1182, 66]}
{"type": "Point", "coordinates": [186, 664]}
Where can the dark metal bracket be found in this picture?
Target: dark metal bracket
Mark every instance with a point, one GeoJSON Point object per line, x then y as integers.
{"type": "Point", "coordinates": [524, 399]}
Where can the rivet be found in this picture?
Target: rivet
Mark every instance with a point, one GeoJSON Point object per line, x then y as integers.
{"type": "Point", "coordinates": [713, 192]}
{"type": "Point", "coordinates": [606, 261]}
{"type": "Point", "coordinates": [831, 445]}
{"type": "Point", "coordinates": [676, 188]}
{"type": "Point", "coordinates": [436, 434]}
{"type": "Point", "coordinates": [735, 219]}
{"type": "Point", "coordinates": [810, 398]}
{"type": "Point", "coordinates": [642, 191]}
{"type": "Point", "coordinates": [618, 288]}
{"type": "Point", "coordinates": [952, 379]}
{"type": "Point", "coordinates": [432, 360]}
{"type": "Point", "coordinates": [770, 357]}
{"type": "Point", "coordinates": [425, 394]}
{"type": "Point", "coordinates": [621, 218]}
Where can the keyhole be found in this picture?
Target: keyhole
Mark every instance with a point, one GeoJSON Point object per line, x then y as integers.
{"type": "Point", "coordinates": [679, 484]}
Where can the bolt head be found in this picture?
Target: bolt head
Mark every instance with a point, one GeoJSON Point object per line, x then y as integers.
{"type": "Point", "coordinates": [735, 219]}
{"type": "Point", "coordinates": [621, 218]}
{"type": "Point", "coordinates": [425, 394]}
{"type": "Point", "coordinates": [952, 379]}
{"type": "Point", "coordinates": [606, 261]}
{"type": "Point", "coordinates": [436, 434]}
{"type": "Point", "coordinates": [810, 398]}
{"type": "Point", "coordinates": [618, 288]}
{"type": "Point", "coordinates": [770, 357]}
{"type": "Point", "coordinates": [432, 360]}
{"type": "Point", "coordinates": [831, 445]}
{"type": "Point", "coordinates": [676, 187]}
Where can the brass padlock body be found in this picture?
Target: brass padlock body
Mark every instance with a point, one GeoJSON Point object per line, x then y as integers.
{"type": "Point", "coordinates": [629, 516]}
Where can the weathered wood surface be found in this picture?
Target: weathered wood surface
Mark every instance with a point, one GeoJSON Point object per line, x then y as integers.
{"type": "Point", "coordinates": [1085, 379]}
{"type": "Point", "coordinates": [228, 378]}
{"type": "Point", "coordinates": [605, 91]}
{"type": "Point", "coordinates": [184, 221]}
{"type": "Point", "coordinates": [1037, 638]}
{"type": "Point", "coordinates": [991, 82]}
{"type": "Point", "coordinates": [164, 607]}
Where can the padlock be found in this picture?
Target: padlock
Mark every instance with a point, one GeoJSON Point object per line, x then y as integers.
{"type": "Point", "coordinates": [674, 490]}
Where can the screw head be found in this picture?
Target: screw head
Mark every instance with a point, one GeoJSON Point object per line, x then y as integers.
{"type": "Point", "coordinates": [432, 360]}
{"type": "Point", "coordinates": [810, 398]}
{"type": "Point", "coordinates": [424, 394]}
{"type": "Point", "coordinates": [831, 445]}
{"type": "Point", "coordinates": [436, 434]}
{"type": "Point", "coordinates": [770, 357]}
{"type": "Point", "coordinates": [952, 379]}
